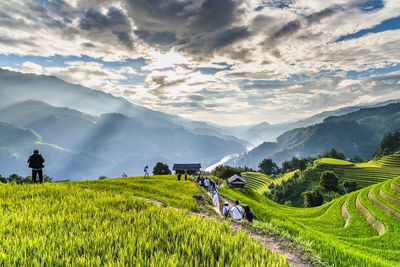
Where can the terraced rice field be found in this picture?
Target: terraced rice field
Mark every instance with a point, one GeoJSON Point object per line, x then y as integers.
{"type": "Point", "coordinates": [359, 229]}
{"type": "Point", "coordinates": [364, 174]}
{"type": "Point", "coordinates": [259, 182]}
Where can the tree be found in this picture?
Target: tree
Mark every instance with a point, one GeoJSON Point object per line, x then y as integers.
{"type": "Point", "coordinates": [356, 159]}
{"type": "Point", "coordinates": [333, 154]}
{"type": "Point", "coordinates": [302, 165]}
{"type": "Point", "coordinates": [161, 169]}
{"type": "Point", "coordinates": [313, 198]}
{"type": "Point", "coordinates": [350, 186]}
{"type": "Point", "coordinates": [329, 181]}
{"type": "Point", "coordinates": [267, 166]}
{"type": "Point", "coordinates": [224, 172]}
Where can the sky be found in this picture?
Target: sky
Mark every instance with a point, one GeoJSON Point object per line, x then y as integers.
{"type": "Point", "coordinates": [231, 62]}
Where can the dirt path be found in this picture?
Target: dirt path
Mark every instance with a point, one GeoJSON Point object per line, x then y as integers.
{"type": "Point", "coordinates": [294, 255]}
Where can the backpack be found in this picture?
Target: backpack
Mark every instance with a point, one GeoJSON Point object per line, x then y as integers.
{"type": "Point", "coordinates": [226, 211]}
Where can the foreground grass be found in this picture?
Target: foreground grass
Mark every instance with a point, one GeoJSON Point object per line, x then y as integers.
{"type": "Point", "coordinates": [103, 223]}
{"type": "Point", "coordinates": [164, 188]}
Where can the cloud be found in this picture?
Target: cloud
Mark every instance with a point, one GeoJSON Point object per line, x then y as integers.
{"type": "Point", "coordinates": [30, 67]}
{"type": "Point", "coordinates": [282, 56]}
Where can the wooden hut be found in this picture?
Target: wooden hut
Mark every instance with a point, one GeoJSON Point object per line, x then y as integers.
{"type": "Point", "coordinates": [236, 181]}
{"type": "Point", "coordinates": [191, 168]}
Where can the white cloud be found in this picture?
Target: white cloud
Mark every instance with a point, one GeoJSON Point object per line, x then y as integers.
{"type": "Point", "coordinates": [30, 67]}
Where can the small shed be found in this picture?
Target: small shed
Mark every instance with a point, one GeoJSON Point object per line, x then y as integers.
{"type": "Point", "coordinates": [236, 181]}
{"type": "Point", "coordinates": [190, 168]}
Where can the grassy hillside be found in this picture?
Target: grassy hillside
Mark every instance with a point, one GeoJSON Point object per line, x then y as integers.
{"type": "Point", "coordinates": [105, 223]}
{"type": "Point", "coordinates": [259, 182]}
{"type": "Point", "coordinates": [358, 229]}
{"type": "Point", "coordinates": [364, 174]}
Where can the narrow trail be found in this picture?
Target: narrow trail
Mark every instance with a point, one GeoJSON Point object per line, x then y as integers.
{"type": "Point", "coordinates": [294, 255]}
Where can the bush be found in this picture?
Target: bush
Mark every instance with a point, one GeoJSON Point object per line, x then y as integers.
{"type": "Point", "coordinates": [267, 166]}
{"type": "Point", "coordinates": [161, 169]}
{"type": "Point", "coordinates": [313, 198]}
{"type": "Point", "coordinates": [224, 172]}
{"type": "Point", "coordinates": [350, 186]}
{"type": "Point", "coordinates": [329, 181]}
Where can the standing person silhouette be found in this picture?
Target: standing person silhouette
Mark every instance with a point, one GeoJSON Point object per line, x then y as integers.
{"type": "Point", "coordinates": [146, 172]}
{"type": "Point", "coordinates": [36, 163]}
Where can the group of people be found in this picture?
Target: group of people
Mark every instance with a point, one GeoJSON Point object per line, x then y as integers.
{"type": "Point", "coordinates": [237, 212]}
{"type": "Point", "coordinates": [179, 175]}
{"type": "Point", "coordinates": [211, 186]}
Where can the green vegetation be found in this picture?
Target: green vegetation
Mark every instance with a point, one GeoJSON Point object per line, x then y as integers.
{"type": "Point", "coordinates": [364, 174]}
{"type": "Point", "coordinates": [267, 166]}
{"type": "Point", "coordinates": [15, 178]}
{"type": "Point", "coordinates": [103, 223]}
{"type": "Point", "coordinates": [224, 172]}
{"type": "Point", "coordinates": [390, 143]}
{"type": "Point", "coordinates": [164, 188]}
{"type": "Point", "coordinates": [262, 183]}
{"type": "Point", "coordinates": [161, 169]}
{"type": "Point", "coordinates": [358, 229]}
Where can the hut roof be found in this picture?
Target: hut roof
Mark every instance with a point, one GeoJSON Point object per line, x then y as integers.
{"type": "Point", "coordinates": [188, 167]}
{"type": "Point", "coordinates": [236, 179]}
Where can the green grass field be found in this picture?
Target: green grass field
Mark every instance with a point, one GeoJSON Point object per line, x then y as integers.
{"type": "Point", "coordinates": [358, 229]}
{"type": "Point", "coordinates": [110, 223]}
{"type": "Point", "coordinates": [364, 174]}
{"type": "Point", "coordinates": [259, 182]}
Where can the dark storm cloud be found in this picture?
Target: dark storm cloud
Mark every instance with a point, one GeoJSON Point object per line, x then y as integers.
{"type": "Point", "coordinates": [195, 27]}
{"type": "Point", "coordinates": [163, 38]}
{"type": "Point", "coordinates": [287, 29]}
{"type": "Point", "coordinates": [294, 26]}
{"type": "Point", "coordinates": [114, 21]}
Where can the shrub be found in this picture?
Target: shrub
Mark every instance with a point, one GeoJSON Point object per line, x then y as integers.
{"type": "Point", "coordinates": [161, 169]}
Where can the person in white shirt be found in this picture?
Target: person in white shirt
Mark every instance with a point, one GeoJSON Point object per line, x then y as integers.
{"type": "Point", "coordinates": [236, 211]}
{"type": "Point", "coordinates": [215, 197]}
{"type": "Point", "coordinates": [206, 183]}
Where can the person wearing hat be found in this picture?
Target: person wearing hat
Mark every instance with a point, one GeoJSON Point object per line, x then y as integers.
{"type": "Point", "coordinates": [36, 163]}
{"type": "Point", "coordinates": [226, 210]}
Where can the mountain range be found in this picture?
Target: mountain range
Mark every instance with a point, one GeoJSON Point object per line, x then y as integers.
{"type": "Point", "coordinates": [355, 133]}
{"type": "Point", "coordinates": [85, 133]}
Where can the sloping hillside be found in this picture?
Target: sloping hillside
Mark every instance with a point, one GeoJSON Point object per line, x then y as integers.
{"type": "Point", "coordinates": [358, 229]}
{"type": "Point", "coordinates": [105, 223]}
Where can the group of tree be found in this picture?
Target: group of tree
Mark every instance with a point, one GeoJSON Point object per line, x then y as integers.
{"type": "Point", "coordinates": [310, 188]}
{"type": "Point", "coordinates": [15, 178]}
{"type": "Point", "coordinates": [390, 143]}
{"type": "Point", "coordinates": [295, 163]}
{"type": "Point", "coordinates": [328, 189]}
{"type": "Point", "coordinates": [224, 172]}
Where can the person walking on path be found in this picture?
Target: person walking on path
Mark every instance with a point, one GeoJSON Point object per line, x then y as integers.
{"type": "Point", "coordinates": [236, 211]}
{"type": "Point", "coordinates": [248, 215]}
{"type": "Point", "coordinates": [215, 197]}
{"type": "Point", "coordinates": [226, 210]}
{"type": "Point", "coordinates": [36, 163]}
{"type": "Point", "coordinates": [179, 176]}
{"type": "Point", "coordinates": [146, 171]}
{"type": "Point", "coordinates": [185, 175]}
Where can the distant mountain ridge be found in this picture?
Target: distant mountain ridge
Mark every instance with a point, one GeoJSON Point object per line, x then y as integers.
{"type": "Point", "coordinates": [265, 132]}
{"type": "Point", "coordinates": [84, 133]}
{"type": "Point", "coordinates": [17, 87]}
{"type": "Point", "coordinates": [355, 133]}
